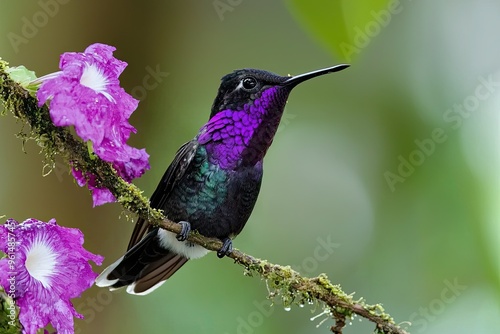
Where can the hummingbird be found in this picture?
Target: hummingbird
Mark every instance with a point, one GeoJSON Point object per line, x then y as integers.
{"type": "Point", "coordinates": [213, 182]}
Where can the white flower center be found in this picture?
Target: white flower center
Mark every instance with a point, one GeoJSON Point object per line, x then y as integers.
{"type": "Point", "coordinates": [41, 261]}
{"type": "Point", "coordinates": [94, 78]}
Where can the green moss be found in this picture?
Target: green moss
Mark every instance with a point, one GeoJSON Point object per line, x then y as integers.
{"type": "Point", "coordinates": [334, 289]}
{"type": "Point", "coordinates": [379, 311]}
{"type": "Point", "coordinates": [7, 324]}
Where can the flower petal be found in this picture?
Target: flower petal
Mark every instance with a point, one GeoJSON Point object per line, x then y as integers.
{"type": "Point", "coordinates": [102, 196]}
{"type": "Point", "coordinates": [43, 289]}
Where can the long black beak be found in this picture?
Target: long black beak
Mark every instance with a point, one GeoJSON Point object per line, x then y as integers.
{"type": "Point", "coordinates": [295, 80]}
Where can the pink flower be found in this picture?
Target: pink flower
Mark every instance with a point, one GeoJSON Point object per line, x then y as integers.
{"type": "Point", "coordinates": [45, 267]}
{"type": "Point", "coordinates": [86, 94]}
{"type": "Point", "coordinates": [99, 195]}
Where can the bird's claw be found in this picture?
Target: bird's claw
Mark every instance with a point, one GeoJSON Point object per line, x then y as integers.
{"type": "Point", "coordinates": [185, 230]}
{"type": "Point", "coordinates": [226, 249]}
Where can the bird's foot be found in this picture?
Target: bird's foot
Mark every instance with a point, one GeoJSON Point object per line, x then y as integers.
{"type": "Point", "coordinates": [185, 229]}
{"type": "Point", "coordinates": [226, 249]}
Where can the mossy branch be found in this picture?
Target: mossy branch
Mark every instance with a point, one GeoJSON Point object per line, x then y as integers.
{"type": "Point", "coordinates": [289, 284]}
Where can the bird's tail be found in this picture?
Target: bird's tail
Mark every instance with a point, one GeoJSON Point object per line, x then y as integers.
{"type": "Point", "coordinates": [144, 268]}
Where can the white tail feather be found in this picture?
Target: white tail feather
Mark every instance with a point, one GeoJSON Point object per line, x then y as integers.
{"type": "Point", "coordinates": [102, 281]}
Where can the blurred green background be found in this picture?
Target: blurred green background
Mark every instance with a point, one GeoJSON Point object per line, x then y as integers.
{"type": "Point", "coordinates": [384, 176]}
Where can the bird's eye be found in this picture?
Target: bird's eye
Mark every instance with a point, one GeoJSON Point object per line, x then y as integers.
{"type": "Point", "coordinates": [249, 83]}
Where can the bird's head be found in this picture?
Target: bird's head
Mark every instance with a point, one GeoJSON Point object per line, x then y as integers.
{"type": "Point", "coordinates": [247, 86]}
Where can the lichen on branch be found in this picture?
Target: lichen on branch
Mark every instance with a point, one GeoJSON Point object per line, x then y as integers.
{"type": "Point", "coordinates": [282, 281]}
